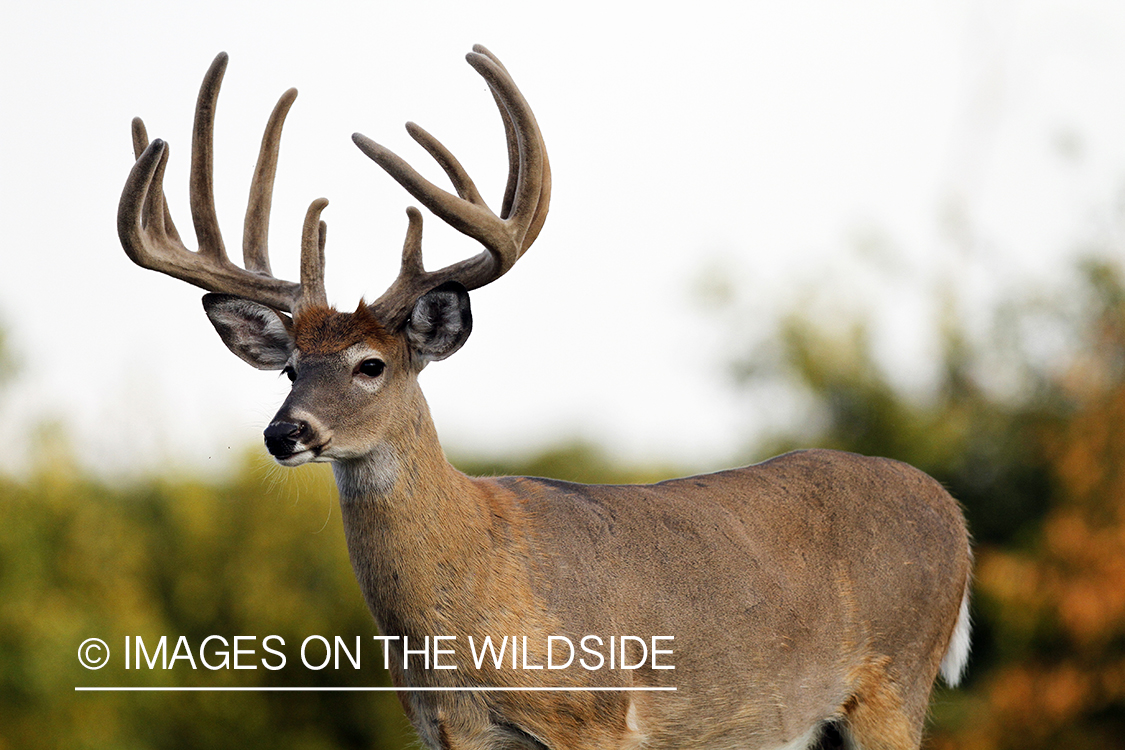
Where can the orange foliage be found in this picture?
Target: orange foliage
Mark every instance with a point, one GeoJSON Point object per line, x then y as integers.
{"type": "Point", "coordinates": [1058, 605]}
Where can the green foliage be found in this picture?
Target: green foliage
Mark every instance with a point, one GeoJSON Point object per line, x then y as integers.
{"type": "Point", "coordinates": [261, 554]}
{"type": "Point", "coordinates": [7, 360]}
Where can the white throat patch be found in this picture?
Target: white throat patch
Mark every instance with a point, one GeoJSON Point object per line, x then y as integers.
{"type": "Point", "coordinates": [373, 475]}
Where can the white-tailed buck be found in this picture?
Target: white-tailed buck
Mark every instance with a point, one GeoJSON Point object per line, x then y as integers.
{"type": "Point", "coordinates": [803, 602]}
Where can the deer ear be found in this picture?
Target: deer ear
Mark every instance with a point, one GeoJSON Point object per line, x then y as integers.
{"type": "Point", "coordinates": [440, 322]}
{"type": "Point", "coordinates": [257, 334]}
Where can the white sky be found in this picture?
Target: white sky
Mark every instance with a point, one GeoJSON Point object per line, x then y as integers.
{"type": "Point", "coordinates": [763, 139]}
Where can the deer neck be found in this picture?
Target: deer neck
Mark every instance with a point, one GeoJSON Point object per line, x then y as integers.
{"type": "Point", "coordinates": [414, 527]}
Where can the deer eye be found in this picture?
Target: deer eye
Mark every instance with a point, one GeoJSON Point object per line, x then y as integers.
{"type": "Point", "coordinates": [289, 372]}
{"type": "Point", "coordinates": [372, 368]}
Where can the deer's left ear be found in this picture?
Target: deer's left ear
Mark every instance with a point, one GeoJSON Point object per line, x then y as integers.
{"type": "Point", "coordinates": [257, 334]}
{"type": "Point", "coordinates": [440, 322]}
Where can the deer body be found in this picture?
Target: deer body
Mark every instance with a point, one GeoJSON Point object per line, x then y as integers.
{"type": "Point", "coordinates": [818, 588]}
{"type": "Point", "coordinates": [783, 639]}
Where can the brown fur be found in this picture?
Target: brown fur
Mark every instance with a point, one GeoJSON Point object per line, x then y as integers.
{"type": "Point", "coordinates": [443, 553]}
{"type": "Point", "coordinates": [323, 330]}
{"type": "Point", "coordinates": [875, 713]}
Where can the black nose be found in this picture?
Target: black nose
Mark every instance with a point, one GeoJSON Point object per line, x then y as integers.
{"type": "Point", "coordinates": [282, 437]}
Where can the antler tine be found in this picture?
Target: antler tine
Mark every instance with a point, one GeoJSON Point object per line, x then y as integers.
{"type": "Point", "coordinates": [140, 143]}
{"type": "Point", "coordinates": [462, 183]}
{"type": "Point", "coordinates": [394, 306]}
{"type": "Point", "coordinates": [510, 138]}
{"type": "Point", "coordinates": [471, 217]}
{"type": "Point", "coordinates": [202, 191]}
{"type": "Point", "coordinates": [150, 238]}
{"type": "Point", "coordinates": [255, 232]}
{"type": "Point", "coordinates": [544, 198]}
{"type": "Point", "coordinates": [313, 237]}
{"type": "Point", "coordinates": [507, 236]}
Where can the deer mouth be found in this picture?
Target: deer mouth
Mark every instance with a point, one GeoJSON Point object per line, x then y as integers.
{"type": "Point", "coordinates": [301, 455]}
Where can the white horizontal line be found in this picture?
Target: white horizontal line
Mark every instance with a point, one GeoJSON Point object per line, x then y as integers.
{"type": "Point", "coordinates": [373, 689]}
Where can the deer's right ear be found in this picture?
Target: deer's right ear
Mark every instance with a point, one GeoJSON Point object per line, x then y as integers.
{"type": "Point", "coordinates": [257, 334]}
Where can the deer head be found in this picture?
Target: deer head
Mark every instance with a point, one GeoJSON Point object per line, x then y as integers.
{"type": "Point", "coordinates": [353, 373]}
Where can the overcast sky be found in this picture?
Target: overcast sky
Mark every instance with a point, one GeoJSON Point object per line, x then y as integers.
{"type": "Point", "coordinates": [763, 142]}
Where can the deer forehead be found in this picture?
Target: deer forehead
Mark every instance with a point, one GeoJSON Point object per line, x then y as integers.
{"type": "Point", "coordinates": [322, 330]}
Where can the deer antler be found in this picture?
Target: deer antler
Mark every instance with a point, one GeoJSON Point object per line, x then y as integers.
{"type": "Point", "coordinates": [151, 240]}
{"type": "Point", "coordinates": [507, 236]}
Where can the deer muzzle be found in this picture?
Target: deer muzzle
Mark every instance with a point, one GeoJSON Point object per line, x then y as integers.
{"type": "Point", "coordinates": [283, 439]}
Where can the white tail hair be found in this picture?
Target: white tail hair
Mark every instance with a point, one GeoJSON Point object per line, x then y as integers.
{"type": "Point", "coordinates": [957, 654]}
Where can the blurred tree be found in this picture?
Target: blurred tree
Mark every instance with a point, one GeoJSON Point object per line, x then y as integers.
{"type": "Point", "coordinates": [575, 461]}
{"type": "Point", "coordinates": [80, 559]}
{"type": "Point", "coordinates": [1057, 604]}
{"type": "Point", "coordinates": [7, 358]}
{"type": "Point", "coordinates": [981, 444]}
{"type": "Point", "coordinates": [1040, 470]}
